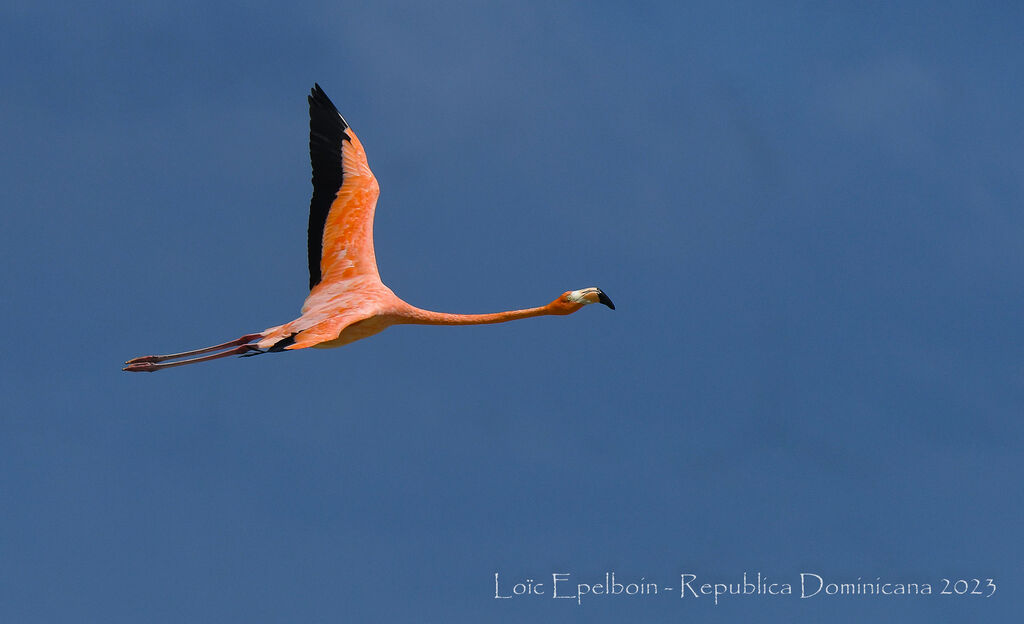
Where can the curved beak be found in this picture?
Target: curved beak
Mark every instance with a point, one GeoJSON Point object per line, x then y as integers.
{"type": "Point", "coordinates": [603, 298]}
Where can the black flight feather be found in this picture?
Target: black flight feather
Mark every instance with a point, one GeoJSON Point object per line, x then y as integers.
{"type": "Point", "coordinates": [281, 344]}
{"type": "Point", "coordinates": [326, 133]}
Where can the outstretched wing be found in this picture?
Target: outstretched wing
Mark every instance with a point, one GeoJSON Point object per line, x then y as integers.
{"type": "Point", "coordinates": [344, 198]}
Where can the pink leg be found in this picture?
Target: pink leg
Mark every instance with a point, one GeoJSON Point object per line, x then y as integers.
{"type": "Point", "coordinates": [151, 367]}
{"type": "Point", "coordinates": [174, 356]}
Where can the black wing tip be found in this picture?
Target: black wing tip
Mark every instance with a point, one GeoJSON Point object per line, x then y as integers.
{"type": "Point", "coordinates": [317, 94]}
{"type": "Point", "coordinates": [318, 99]}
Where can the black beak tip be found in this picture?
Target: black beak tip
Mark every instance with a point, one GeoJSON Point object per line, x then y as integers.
{"type": "Point", "coordinates": [603, 298]}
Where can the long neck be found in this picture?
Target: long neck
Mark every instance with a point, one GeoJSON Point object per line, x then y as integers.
{"type": "Point", "coordinates": [425, 317]}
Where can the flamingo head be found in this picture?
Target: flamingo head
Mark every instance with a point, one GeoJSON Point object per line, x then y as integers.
{"type": "Point", "coordinates": [573, 300]}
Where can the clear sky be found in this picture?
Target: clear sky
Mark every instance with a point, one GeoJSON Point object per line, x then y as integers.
{"type": "Point", "coordinates": [809, 217]}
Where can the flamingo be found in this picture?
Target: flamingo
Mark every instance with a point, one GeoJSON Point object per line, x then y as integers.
{"type": "Point", "coordinates": [347, 299]}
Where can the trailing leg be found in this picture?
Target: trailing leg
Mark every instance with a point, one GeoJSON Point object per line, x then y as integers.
{"type": "Point", "coordinates": [160, 358]}
{"type": "Point", "coordinates": [140, 365]}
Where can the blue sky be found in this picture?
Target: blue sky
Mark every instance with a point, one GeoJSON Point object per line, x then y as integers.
{"type": "Point", "coordinates": [809, 218]}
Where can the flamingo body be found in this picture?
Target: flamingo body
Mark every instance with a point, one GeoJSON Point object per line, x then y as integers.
{"type": "Point", "coordinates": [347, 299]}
